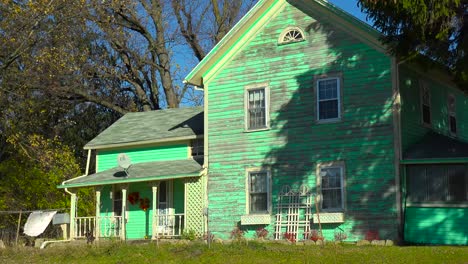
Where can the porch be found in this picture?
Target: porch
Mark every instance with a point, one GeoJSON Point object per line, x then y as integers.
{"type": "Point", "coordinates": [141, 206]}
{"type": "Point", "coordinates": [109, 227]}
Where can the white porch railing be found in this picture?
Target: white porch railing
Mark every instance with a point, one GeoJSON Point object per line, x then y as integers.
{"type": "Point", "coordinates": [110, 226]}
{"type": "Point", "coordinates": [168, 225]}
{"type": "Point", "coordinates": [84, 225]}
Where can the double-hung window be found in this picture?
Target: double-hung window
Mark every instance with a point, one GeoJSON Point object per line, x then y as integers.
{"type": "Point", "coordinates": [452, 114]}
{"type": "Point", "coordinates": [425, 103]}
{"type": "Point", "coordinates": [256, 108]}
{"type": "Point", "coordinates": [328, 99]}
{"type": "Point", "coordinates": [259, 192]}
{"type": "Point", "coordinates": [331, 180]}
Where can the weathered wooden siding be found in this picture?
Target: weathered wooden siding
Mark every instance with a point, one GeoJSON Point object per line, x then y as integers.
{"type": "Point", "coordinates": [295, 142]}
{"type": "Point", "coordinates": [432, 225]}
{"type": "Point", "coordinates": [411, 118]}
{"type": "Point", "coordinates": [107, 159]}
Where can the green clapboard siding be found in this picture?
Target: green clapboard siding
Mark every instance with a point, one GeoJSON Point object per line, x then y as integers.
{"type": "Point", "coordinates": [411, 118]}
{"type": "Point", "coordinates": [436, 225]}
{"type": "Point", "coordinates": [139, 222]}
{"type": "Point", "coordinates": [107, 159]}
{"type": "Point", "coordinates": [296, 142]}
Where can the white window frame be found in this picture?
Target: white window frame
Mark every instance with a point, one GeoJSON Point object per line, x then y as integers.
{"type": "Point", "coordinates": [247, 89]}
{"type": "Point", "coordinates": [326, 165]}
{"type": "Point", "coordinates": [247, 190]}
{"type": "Point", "coordinates": [452, 113]}
{"type": "Point", "coordinates": [281, 40]}
{"type": "Point", "coordinates": [424, 86]}
{"type": "Point", "coordinates": [317, 95]}
{"type": "Point", "coordinates": [115, 190]}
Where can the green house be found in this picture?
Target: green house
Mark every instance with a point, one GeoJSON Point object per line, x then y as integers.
{"type": "Point", "coordinates": [311, 125]}
{"type": "Point", "coordinates": [149, 181]}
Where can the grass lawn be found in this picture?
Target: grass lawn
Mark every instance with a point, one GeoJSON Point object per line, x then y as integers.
{"type": "Point", "coordinates": [234, 253]}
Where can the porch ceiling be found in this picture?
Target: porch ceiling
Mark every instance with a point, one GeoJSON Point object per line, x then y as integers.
{"type": "Point", "coordinates": [438, 148]}
{"type": "Point", "coordinates": [147, 171]}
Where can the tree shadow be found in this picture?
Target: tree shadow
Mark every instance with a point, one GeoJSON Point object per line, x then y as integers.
{"type": "Point", "coordinates": [362, 138]}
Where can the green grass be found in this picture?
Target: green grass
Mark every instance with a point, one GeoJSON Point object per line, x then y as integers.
{"type": "Point", "coordinates": [234, 253]}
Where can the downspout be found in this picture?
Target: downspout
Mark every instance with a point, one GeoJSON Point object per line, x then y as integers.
{"type": "Point", "coordinates": [73, 206]}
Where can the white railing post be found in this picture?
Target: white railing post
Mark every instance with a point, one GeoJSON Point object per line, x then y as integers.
{"type": "Point", "coordinates": [124, 213]}
{"type": "Point", "coordinates": [97, 225]}
{"type": "Point", "coordinates": [72, 216]}
{"type": "Point", "coordinates": [154, 225]}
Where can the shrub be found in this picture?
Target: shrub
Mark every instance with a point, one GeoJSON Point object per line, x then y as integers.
{"type": "Point", "coordinates": [340, 236]}
{"type": "Point", "coordinates": [237, 233]}
{"type": "Point", "coordinates": [189, 235]}
{"type": "Point", "coordinates": [314, 235]}
{"type": "Point", "coordinates": [291, 237]}
{"type": "Point", "coordinates": [372, 235]}
{"type": "Point", "coordinates": [261, 232]}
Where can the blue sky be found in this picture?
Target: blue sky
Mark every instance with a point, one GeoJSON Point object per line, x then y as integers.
{"type": "Point", "coordinates": [349, 6]}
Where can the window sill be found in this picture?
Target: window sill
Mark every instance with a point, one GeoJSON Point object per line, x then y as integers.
{"type": "Point", "coordinates": [438, 205]}
{"type": "Point", "coordinates": [260, 219]}
{"type": "Point", "coordinates": [326, 218]}
{"type": "Point", "coordinates": [328, 121]}
{"type": "Point", "coordinates": [256, 130]}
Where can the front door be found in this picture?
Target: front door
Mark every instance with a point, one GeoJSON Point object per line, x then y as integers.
{"type": "Point", "coordinates": [165, 209]}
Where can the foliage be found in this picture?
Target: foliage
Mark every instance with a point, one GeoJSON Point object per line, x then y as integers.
{"type": "Point", "coordinates": [237, 234]}
{"type": "Point", "coordinates": [372, 235]}
{"type": "Point", "coordinates": [314, 235]}
{"type": "Point", "coordinates": [340, 236]}
{"type": "Point", "coordinates": [30, 177]}
{"type": "Point", "coordinates": [189, 235]}
{"type": "Point", "coordinates": [435, 28]}
{"type": "Point", "coordinates": [261, 233]}
{"type": "Point", "coordinates": [291, 237]}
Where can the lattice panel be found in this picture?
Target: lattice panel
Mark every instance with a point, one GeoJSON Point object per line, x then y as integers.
{"type": "Point", "coordinates": [329, 218]}
{"type": "Point", "coordinates": [294, 212]}
{"type": "Point", "coordinates": [194, 204]}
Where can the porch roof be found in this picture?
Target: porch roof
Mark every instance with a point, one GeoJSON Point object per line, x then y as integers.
{"type": "Point", "coordinates": [436, 148]}
{"type": "Point", "coordinates": [139, 172]}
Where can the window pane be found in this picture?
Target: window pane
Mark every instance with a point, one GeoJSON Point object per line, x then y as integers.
{"type": "Point", "coordinates": [331, 187]}
{"type": "Point", "coordinates": [331, 199]}
{"type": "Point", "coordinates": [426, 114]}
{"type": "Point", "coordinates": [436, 183]}
{"type": "Point", "coordinates": [457, 183]}
{"type": "Point", "coordinates": [328, 89]}
{"type": "Point", "coordinates": [256, 109]}
{"type": "Point", "coordinates": [453, 124]}
{"type": "Point", "coordinates": [258, 203]}
{"type": "Point", "coordinates": [328, 109]}
{"type": "Point", "coordinates": [331, 178]}
{"type": "Point", "coordinates": [258, 189]}
{"type": "Point", "coordinates": [258, 182]}
{"type": "Point", "coordinates": [416, 183]}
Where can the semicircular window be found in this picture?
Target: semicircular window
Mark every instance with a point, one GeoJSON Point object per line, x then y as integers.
{"type": "Point", "coordinates": [291, 35]}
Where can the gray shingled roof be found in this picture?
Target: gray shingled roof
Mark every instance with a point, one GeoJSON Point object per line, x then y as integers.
{"type": "Point", "coordinates": [151, 126]}
{"type": "Point", "coordinates": [437, 146]}
{"type": "Point", "coordinates": [147, 171]}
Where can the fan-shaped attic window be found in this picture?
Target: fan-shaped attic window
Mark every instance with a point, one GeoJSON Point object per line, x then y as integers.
{"type": "Point", "coordinates": [291, 35]}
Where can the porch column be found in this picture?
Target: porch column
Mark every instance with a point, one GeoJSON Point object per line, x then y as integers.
{"type": "Point", "coordinates": [73, 216]}
{"type": "Point", "coordinates": [154, 227]}
{"type": "Point", "coordinates": [124, 214]}
{"type": "Point", "coordinates": [97, 227]}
